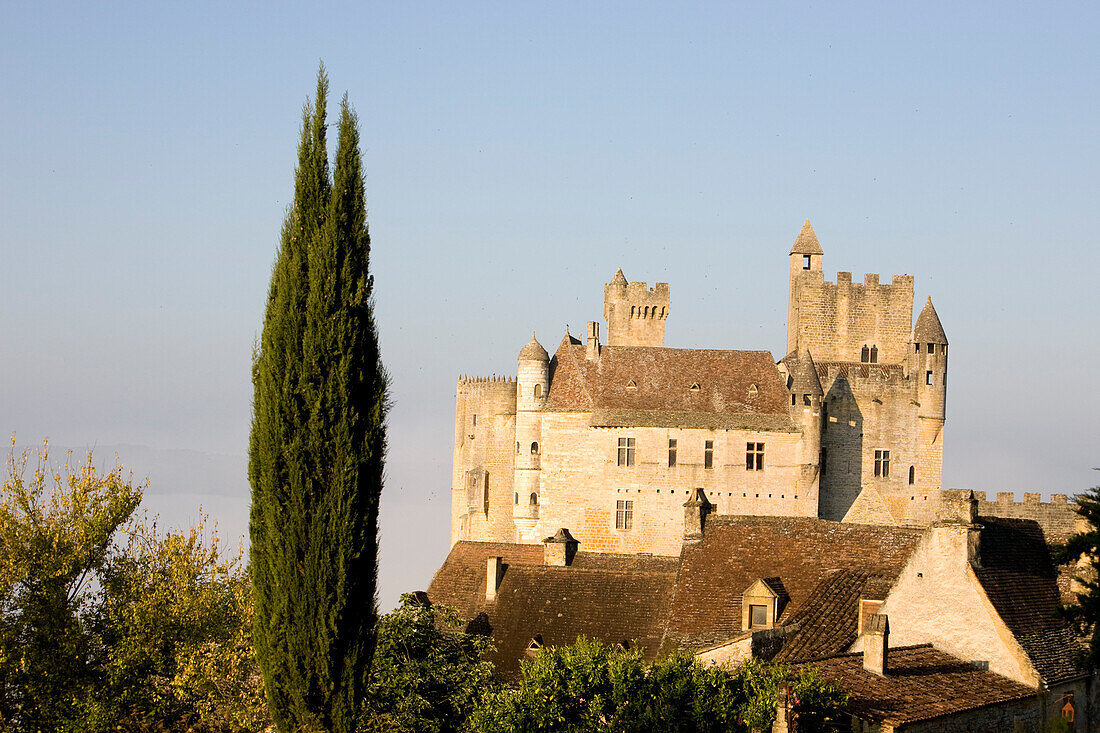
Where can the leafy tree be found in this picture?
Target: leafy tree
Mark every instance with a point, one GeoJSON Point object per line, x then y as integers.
{"type": "Point", "coordinates": [1085, 546]}
{"type": "Point", "coordinates": [426, 676]}
{"type": "Point", "coordinates": [56, 527]}
{"type": "Point", "coordinates": [317, 444]}
{"type": "Point", "coordinates": [589, 686]}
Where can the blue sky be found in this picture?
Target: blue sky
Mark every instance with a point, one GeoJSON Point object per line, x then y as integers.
{"type": "Point", "coordinates": [516, 154]}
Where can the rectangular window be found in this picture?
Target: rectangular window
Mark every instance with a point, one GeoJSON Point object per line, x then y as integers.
{"type": "Point", "coordinates": [805, 262]}
{"type": "Point", "coordinates": [928, 377]}
{"type": "Point", "coordinates": [626, 452]}
{"type": "Point", "coordinates": [708, 454]}
{"type": "Point", "coordinates": [823, 461]}
{"type": "Point", "coordinates": [931, 348]}
{"type": "Point", "coordinates": [758, 615]}
{"type": "Point", "coordinates": [624, 515]}
{"type": "Point", "coordinates": [882, 463]}
{"type": "Point", "coordinates": [671, 452]}
{"type": "Point", "coordinates": [754, 456]}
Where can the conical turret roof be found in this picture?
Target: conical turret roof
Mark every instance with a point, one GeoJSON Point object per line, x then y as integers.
{"type": "Point", "coordinates": [928, 328]}
{"type": "Point", "coordinates": [806, 243]}
{"type": "Point", "coordinates": [533, 351]}
{"type": "Point", "coordinates": [803, 371]}
{"type": "Point", "coordinates": [619, 279]}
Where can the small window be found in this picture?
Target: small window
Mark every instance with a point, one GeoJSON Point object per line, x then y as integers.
{"type": "Point", "coordinates": [882, 464]}
{"type": "Point", "coordinates": [928, 378]}
{"type": "Point", "coordinates": [806, 400]}
{"type": "Point", "coordinates": [874, 355]}
{"type": "Point", "coordinates": [754, 456]}
{"type": "Point", "coordinates": [758, 615]}
{"type": "Point", "coordinates": [624, 515]}
{"type": "Point", "coordinates": [517, 447]}
{"type": "Point", "coordinates": [823, 461]}
{"type": "Point", "coordinates": [912, 475]}
{"type": "Point", "coordinates": [533, 646]}
{"type": "Point", "coordinates": [865, 354]}
{"type": "Point", "coordinates": [632, 384]}
{"type": "Point", "coordinates": [753, 390]}
{"type": "Point", "coordinates": [485, 496]}
{"type": "Point", "coordinates": [1068, 710]}
{"type": "Point", "coordinates": [475, 420]}
{"type": "Point", "coordinates": [534, 449]}
{"type": "Point", "coordinates": [708, 454]}
{"type": "Point", "coordinates": [694, 386]}
{"type": "Point", "coordinates": [931, 348]}
{"type": "Point", "coordinates": [794, 400]}
{"type": "Point", "coordinates": [517, 499]}
{"type": "Point", "coordinates": [671, 452]}
{"type": "Point", "coordinates": [805, 262]}
{"type": "Point", "coordinates": [943, 349]}
{"type": "Point", "coordinates": [538, 390]}
{"type": "Point", "coordinates": [626, 452]}
{"type": "Point", "coordinates": [916, 348]}
{"type": "Point", "coordinates": [533, 500]}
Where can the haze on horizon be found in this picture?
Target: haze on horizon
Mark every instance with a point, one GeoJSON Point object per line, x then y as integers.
{"type": "Point", "coordinates": [516, 155]}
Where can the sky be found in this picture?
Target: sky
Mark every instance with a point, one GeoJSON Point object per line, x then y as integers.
{"type": "Point", "coordinates": [517, 154]}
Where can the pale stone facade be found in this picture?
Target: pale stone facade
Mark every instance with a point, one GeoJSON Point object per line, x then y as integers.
{"type": "Point", "coordinates": [861, 440]}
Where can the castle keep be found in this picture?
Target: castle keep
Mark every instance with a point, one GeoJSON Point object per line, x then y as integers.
{"type": "Point", "coordinates": [609, 439]}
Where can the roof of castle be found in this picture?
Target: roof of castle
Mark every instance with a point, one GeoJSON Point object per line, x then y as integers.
{"type": "Point", "coordinates": [652, 386]}
{"type": "Point", "coordinates": [533, 351]}
{"type": "Point", "coordinates": [806, 243]}
{"type": "Point", "coordinates": [619, 279]}
{"type": "Point", "coordinates": [803, 373]}
{"type": "Point", "coordinates": [928, 328]}
{"type": "Point", "coordinates": [922, 683]}
{"type": "Point", "coordinates": [802, 552]}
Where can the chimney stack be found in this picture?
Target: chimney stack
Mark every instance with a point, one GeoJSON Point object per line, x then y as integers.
{"type": "Point", "coordinates": [494, 573]}
{"type": "Point", "coordinates": [592, 348]}
{"type": "Point", "coordinates": [696, 510]}
{"type": "Point", "coordinates": [560, 549]}
{"type": "Point", "coordinates": [957, 523]}
{"type": "Point", "coordinates": [876, 643]}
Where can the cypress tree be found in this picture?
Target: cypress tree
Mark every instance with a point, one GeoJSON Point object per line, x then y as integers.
{"type": "Point", "coordinates": [317, 444]}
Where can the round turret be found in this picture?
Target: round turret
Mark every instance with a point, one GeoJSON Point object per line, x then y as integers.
{"type": "Point", "coordinates": [533, 351]}
{"type": "Point", "coordinates": [533, 374]}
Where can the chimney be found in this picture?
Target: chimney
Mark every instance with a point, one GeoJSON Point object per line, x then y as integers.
{"type": "Point", "coordinates": [876, 643]}
{"type": "Point", "coordinates": [494, 573]}
{"type": "Point", "coordinates": [696, 510]}
{"type": "Point", "coordinates": [956, 522]}
{"type": "Point", "coordinates": [560, 549]}
{"type": "Point", "coordinates": [592, 349]}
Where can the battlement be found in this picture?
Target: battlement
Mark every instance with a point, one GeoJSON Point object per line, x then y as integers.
{"type": "Point", "coordinates": [486, 385]}
{"type": "Point", "coordinates": [635, 313]}
{"type": "Point", "coordinates": [1056, 517]}
{"type": "Point", "coordinates": [844, 279]}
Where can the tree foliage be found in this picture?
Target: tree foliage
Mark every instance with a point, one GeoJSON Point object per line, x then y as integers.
{"type": "Point", "coordinates": [107, 622]}
{"type": "Point", "coordinates": [590, 686]}
{"type": "Point", "coordinates": [427, 676]}
{"type": "Point", "coordinates": [317, 443]}
{"type": "Point", "coordinates": [1084, 548]}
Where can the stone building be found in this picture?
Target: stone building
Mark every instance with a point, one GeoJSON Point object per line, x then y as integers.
{"type": "Point", "coordinates": [609, 439]}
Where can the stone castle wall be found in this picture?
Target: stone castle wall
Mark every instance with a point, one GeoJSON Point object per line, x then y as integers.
{"type": "Point", "coordinates": [836, 320]}
{"type": "Point", "coordinates": [484, 458]}
{"type": "Point", "coordinates": [1056, 517]}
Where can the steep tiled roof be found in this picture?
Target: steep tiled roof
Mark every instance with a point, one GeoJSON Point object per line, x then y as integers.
{"type": "Point", "coordinates": [1022, 584]}
{"type": "Point", "coordinates": [928, 328]}
{"type": "Point", "coordinates": [533, 351]}
{"type": "Point", "coordinates": [610, 597]}
{"type": "Point", "coordinates": [801, 552]}
{"type": "Point", "coordinates": [650, 383]}
{"type": "Point", "coordinates": [806, 243]}
{"type": "Point", "coordinates": [826, 622]}
{"type": "Point", "coordinates": [921, 684]}
{"type": "Point", "coordinates": [803, 373]}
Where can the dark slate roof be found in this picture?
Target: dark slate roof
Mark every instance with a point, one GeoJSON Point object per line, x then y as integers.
{"type": "Point", "coordinates": [1021, 582]}
{"type": "Point", "coordinates": [806, 243]}
{"type": "Point", "coordinates": [826, 622]}
{"type": "Point", "coordinates": [928, 328]}
{"type": "Point", "coordinates": [922, 683]}
{"type": "Point", "coordinates": [611, 597]}
{"type": "Point", "coordinates": [645, 384]}
{"type": "Point", "coordinates": [801, 551]}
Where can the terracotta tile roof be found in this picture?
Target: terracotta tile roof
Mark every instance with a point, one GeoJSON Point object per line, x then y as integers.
{"type": "Point", "coordinates": [611, 597]}
{"type": "Point", "coordinates": [635, 380]}
{"type": "Point", "coordinates": [800, 551]}
{"type": "Point", "coordinates": [1021, 582]}
{"type": "Point", "coordinates": [827, 620]}
{"type": "Point", "coordinates": [921, 683]}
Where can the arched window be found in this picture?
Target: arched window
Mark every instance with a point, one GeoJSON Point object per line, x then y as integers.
{"type": "Point", "coordinates": [912, 475]}
{"type": "Point", "coordinates": [538, 390]}
{"type": "Point", "coordinates": [534, 500]}
{"type": "Point", "coordinates": [517, 498]}
{"type": "Point", "coordinates": [534, 449]}
{"type": "Point", "coordinates": [865, 355]}
{"type": "Point", "coordinates": [874, 355]}
{"type": "Point", "coordinates": [645, 313]}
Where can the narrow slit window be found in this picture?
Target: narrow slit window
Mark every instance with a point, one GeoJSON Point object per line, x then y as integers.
{"type": "Point", "coordinates": [928, 378]}
{"type": "Point", "coordinates": [912, 475]}
{"type": "Point", "coordinates": [865, 355]}
{"type": "Point", "coordinates": [874, 355]}
{"type": "Point", "coordinates": [824, 461]}
{"type": "Point", "coordinates": [671, 452]}
{"type": "Point", "coordinates": [708, 454]}
{"type": "Point", "coordinates": [533, 500]}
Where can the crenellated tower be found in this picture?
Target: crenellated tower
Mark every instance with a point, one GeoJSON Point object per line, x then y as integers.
{"type": "Point", "coordinates": [532, 385]}
{"type": "Point", "coordinates": [635, 314]}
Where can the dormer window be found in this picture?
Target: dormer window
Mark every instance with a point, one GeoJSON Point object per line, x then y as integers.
{"type": "Point", "coordinates": [695, 387]}
{"type": "Point", "coordinates": [753, 390]}
{"type": "Point", "coordinates": [534, 646]}
{"type": "Point", "coordinates": [760, 605]}
{"type": "Point", "coordinates": [632, 384]}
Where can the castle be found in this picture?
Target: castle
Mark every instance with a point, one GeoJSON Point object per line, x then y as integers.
{"type": "Point", "coordinates": [609, 439]}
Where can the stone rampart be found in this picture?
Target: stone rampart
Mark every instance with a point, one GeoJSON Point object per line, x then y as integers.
{"type": "Point", "coordinates": [1056, 517]}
